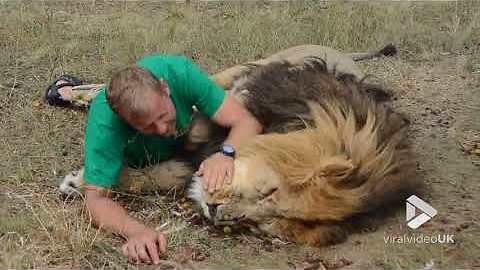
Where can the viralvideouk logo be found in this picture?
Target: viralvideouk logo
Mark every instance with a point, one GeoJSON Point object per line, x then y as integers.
{"type": "Point", "coordinates": [427, 212]}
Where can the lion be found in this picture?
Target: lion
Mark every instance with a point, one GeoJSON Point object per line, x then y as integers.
{"type": "Point", "coordinates": [333, 149]}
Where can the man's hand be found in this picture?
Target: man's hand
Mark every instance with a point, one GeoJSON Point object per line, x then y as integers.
{"type": "Point", "coordinates": [143, 245]}
{"type": "Point", "coordinates": [216, 170]}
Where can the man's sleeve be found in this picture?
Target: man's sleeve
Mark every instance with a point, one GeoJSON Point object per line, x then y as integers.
{"type": "Point", "coordinates": [104, 150]}
{"type": "Point", "coordinates": [206, 95]}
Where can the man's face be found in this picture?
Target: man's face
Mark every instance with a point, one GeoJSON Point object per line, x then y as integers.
{"type": "Point", "coordinates": [162, 117]}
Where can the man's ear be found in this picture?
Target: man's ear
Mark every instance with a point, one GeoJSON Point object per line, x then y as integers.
{"type": "Point", "coordinates": [164, 87]}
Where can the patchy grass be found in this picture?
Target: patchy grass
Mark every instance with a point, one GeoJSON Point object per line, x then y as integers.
{"type": "Point", "coordinates": [41, 39]}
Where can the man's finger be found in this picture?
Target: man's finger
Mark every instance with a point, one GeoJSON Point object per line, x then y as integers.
{"type": "Point", "coordinates": [199, 172]}
{"type": "Point", "coordinates": [153, 252]}
{"type": "Point", "coordinates": [228, 177]}
{"type": "Point", "coordinates": [213, 182]}
{"type": "Point", "coordinates": [207, 178]}
{"type": "Point", "coordinates": [162, 242]}
{"type": "Point", "coordinates": [230, 172]}
{"type": "Point", "coordinates": [220, 181]}
{"type": "Point", "coordinates": [132, 253]}
{"type": "Point", "coordinates": [142, 253]}
{"type": "Point", "coordinates": [125, 250]}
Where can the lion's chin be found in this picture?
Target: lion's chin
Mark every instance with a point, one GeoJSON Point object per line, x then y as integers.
{"type": "Point", "coordinates": [230, 221]}
{"type": "Point", "coordinates": [238, 226]}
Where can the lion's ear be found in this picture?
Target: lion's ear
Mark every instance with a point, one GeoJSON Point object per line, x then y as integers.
{"type": "Point", "coordinates": [333, 170]}
{"type": "Point", "coordinates": [338, 171]}
{"type": "Point", "coordinates": [337, 168]}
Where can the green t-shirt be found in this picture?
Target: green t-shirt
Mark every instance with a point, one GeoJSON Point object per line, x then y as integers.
{"type": "Point", "coordinates": [111, 143]}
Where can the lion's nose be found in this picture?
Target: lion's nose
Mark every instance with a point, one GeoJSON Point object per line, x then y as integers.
{"type": "Point", "coordinates": [212, 209]}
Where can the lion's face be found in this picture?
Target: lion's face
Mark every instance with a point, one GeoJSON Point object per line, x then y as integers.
{"type": "Point", "coordinates": [244, 200]}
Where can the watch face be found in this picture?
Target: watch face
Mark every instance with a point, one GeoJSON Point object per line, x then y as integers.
{"type": "Point", "coordinates": [228, 148]}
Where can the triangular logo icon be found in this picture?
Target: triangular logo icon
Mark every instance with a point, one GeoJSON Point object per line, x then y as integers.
{"type": "Point", "coordinates": [427, 212]}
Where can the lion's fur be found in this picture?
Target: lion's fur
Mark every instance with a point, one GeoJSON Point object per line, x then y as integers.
{"type": "Point", "coordinates": [333, 149]}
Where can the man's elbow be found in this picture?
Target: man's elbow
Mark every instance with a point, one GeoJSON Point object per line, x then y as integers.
{"type": "Point", "coordinates": [253, 122]}
{"type": "Point", "coordinates": [101, 191]}
{"type": "Point", "coordinates": [94, 193]}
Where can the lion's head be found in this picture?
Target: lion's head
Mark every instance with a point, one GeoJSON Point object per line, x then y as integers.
{"type": "Point", "coordinates": [239, 201]}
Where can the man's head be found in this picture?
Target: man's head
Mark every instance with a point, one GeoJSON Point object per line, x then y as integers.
{"type": "Point", "coordinates": [143, 101]}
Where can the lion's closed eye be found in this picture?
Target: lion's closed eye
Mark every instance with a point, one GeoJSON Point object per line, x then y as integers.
{"type": "Point", "coordinates": [267, 192]}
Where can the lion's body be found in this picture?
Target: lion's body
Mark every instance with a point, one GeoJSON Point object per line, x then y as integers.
{"type": "Point", "coordinates": [333, 149]}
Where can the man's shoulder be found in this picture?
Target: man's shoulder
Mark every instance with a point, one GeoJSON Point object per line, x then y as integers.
{"type": "Point", "coordinates": [102, 119]}
{"type": "Point", "coordinates": [99, 108]}
{"type": "Point", "coordinates": [106, 137]}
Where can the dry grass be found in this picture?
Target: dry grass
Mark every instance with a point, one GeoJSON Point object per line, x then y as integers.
{"type": "Point", "coordinates": [42, 39]}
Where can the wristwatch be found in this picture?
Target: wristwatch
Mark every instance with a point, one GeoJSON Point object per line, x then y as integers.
{"type": "Point", "coordinates": [228, 150]}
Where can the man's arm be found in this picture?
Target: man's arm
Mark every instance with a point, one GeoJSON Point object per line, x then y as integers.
{"type": "Point", "coordinates": [243, 125]}
{"type": "Point", "coordinates": [142, 244]}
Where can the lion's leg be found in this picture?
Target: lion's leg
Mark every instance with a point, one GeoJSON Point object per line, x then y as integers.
{"type": "Point", "coordinates": [200, 132]}
{"type": "Point", "coordinates": [226, 77]}
{"type": "Point", "coordinates": [82, 95]}
{"type": "Point", "coordinates": [164, 176]}
{"type": "Point", "coordinates": [306, 233]}
{"type": "Point", "coordinates": [160, 177]}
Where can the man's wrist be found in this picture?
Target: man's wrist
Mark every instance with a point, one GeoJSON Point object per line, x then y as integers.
{"type": "Point", "coordinates": [132, 227]}
{"type": "Point", "coordinates": [228, 150]}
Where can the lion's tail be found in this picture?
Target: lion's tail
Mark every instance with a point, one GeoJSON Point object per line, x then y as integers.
{"type": "Point", "coordinates": [387, 51]}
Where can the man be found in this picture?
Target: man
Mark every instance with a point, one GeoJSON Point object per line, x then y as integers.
{"type": "Point", "coordinates": [138, 120]}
